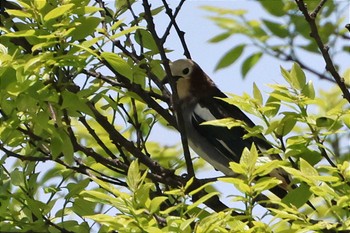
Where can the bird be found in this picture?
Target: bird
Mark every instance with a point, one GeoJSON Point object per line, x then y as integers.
{"type": "Point", "coordinates": [200, 101]}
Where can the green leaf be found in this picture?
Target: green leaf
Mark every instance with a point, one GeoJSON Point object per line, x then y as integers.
{"type": "Point", "coordinates": [250, 62]}
{"type": "Point", "coordinates": [155, 204]}
{"type": "Point", "coordinates": [264, 168]}
{"type": "Point", "coordinates": [286, 125]}
{"type": "Point", "coordinates": [19, 13]}
{"type": "Point", "coordinates": [324, 122]}
{"type": "Point", "coordinates": [306, 169]}
{"type": "Point", "coordinates": [83, 207]}
{"type": "Point", "coordinates": [144, 38]}
{"type": "Point", "coordinates": [104, 219]}
{"type": "Point", "coordinates": [265, 183]}
{"type": "Point", "coordinates": [56, 146]}
{"type": "Point", "coordinates": [286, 213]}
{"type": "Point", "coordinates": [97, 196]}
{"type": "Point", "coordinates": [85, 26]}
{"type": "Point", "coordinates": [277, 29]}
{"type": "Point", "coordinates": [298, 77]}
{"type": "Point", "coordinates": [275, 8]}
{"type": "Point", "coordinates": [309, 90]}
{"type": "Point", "coordinates": [286, 75]}
{"type": "Point", "coordinates": [225, 122]}
{"type": "Point", "coordinates": [85, 46]}
{"type": "Point", "coordinates": [67, 147]}
{"type": "Point", "coordinates": [75, 103]}
{"type": "Point", "coordinates": [40, 4]}
{"type": "Point", "coordinates": [154, 12]}
{"type": "Point", "coordinates": [118, 64]}
{"type": "Point", "coordinates": [193, 192]}
{"type": "Point", "coordinates": [238, 183]}
{"type": "Point", "coordinates": [134, 177]}
{"type": "Point", "coordinates": [58, 11]}
{"type": "Point", "coordinates": [220, 37]}
{"type": "Point", "coordinates": [298, 196]}
{"type": "Point", "coordinates": [273, 105]}
{"type": "Point", "coordinates": [249, 159]}
{"type": "Point", "coordinates": [76, 188]}
{"type": "Point", "coordinates": [202, 200]}
{"type": "Point", "coordinates": [224, 10]}
{"type": "Point", "coordinates": [284, 96]}
{"type": "Point", "coordinates": [22, 33]}
{"type": "Point", "coordinates": [346, 119]}
{"type": "Point", "coordinates": [17, 178]}
{"type": "Point", "coordinates": [124, 32]}
{"type": "Point", "coordinates": [237, 168]}
{"type": "Point", "coordinates": [257, 94]}
{"type": "Point", "coordinates": [230, 57]}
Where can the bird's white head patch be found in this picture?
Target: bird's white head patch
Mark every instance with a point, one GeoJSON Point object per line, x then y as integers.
{"type": "Point", "coordinates": [182, 68]}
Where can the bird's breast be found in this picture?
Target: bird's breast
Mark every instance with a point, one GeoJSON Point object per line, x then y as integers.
{"type": "Point", "coordinates": [183, 89]}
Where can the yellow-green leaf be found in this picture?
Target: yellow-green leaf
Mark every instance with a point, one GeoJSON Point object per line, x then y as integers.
{"type": "Point", "coordinates": [118, 64]}
{"type": "Point", "coordinates": [57, 12]}
{"type": "Point", "coordinates": [19, 13]}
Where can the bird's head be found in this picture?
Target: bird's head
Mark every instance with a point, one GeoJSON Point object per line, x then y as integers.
{"type": "Point", "coordinates": [182, 68]}
{"type": "Point", "coordinates": [190, 79]}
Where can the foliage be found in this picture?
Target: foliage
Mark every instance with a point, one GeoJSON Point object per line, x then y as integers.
{"type": "Point", "coordinates": [81, 95]}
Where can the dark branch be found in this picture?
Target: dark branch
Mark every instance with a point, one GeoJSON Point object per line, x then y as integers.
{"type": "Point", "coordinates": [180, 33]}
{"type": "Point", "coordinates": [181, 125]}
{"type": "Point", "coordinates": [323, 48]}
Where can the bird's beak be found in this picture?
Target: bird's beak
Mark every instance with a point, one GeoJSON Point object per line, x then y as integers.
{"type": "Point", "coordinates": [167, 78]}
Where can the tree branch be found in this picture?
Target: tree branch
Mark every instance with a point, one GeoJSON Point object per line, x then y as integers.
{"type": "Point", "coordinates": [323, 48]}
{"type": "Point", "coordinates": [180, 33]}
{"type": "Point", "coordinates": [178, 112]}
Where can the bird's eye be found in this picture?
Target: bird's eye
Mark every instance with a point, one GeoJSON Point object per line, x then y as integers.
{"type": "Point", "coordinates": [185, 71]}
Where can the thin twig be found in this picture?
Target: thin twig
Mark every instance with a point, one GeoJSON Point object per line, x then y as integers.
{"type": "Point", "coordinates": [179, 32]}
{"type": "Point", "coordinates": [314, 13]}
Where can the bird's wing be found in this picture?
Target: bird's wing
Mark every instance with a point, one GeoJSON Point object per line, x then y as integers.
{"type": "Point", "coordinates": [229, 142]}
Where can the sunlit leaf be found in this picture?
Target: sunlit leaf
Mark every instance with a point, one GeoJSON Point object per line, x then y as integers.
{"type": "Point", "coordinates": [155, 203]}
{"type": "Point", "coordinates": [19, 13]}
{"type": "Point", "coordinates": [118, 64]}
{"type": "Point", "coordinates": [58, 11]}
{"type": "Point", "coordinates": [257, 94]}
{"type": "Point", "coordinates": [274, 105]}
{"type": "Point", "coordinates": [298, 77]}
{"type": "Point", "coordinates": [309, 90]}
{"type": "Point", "coordinates": [307, 169]}
{"type": "Point", "coordinates": [134, 176]}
